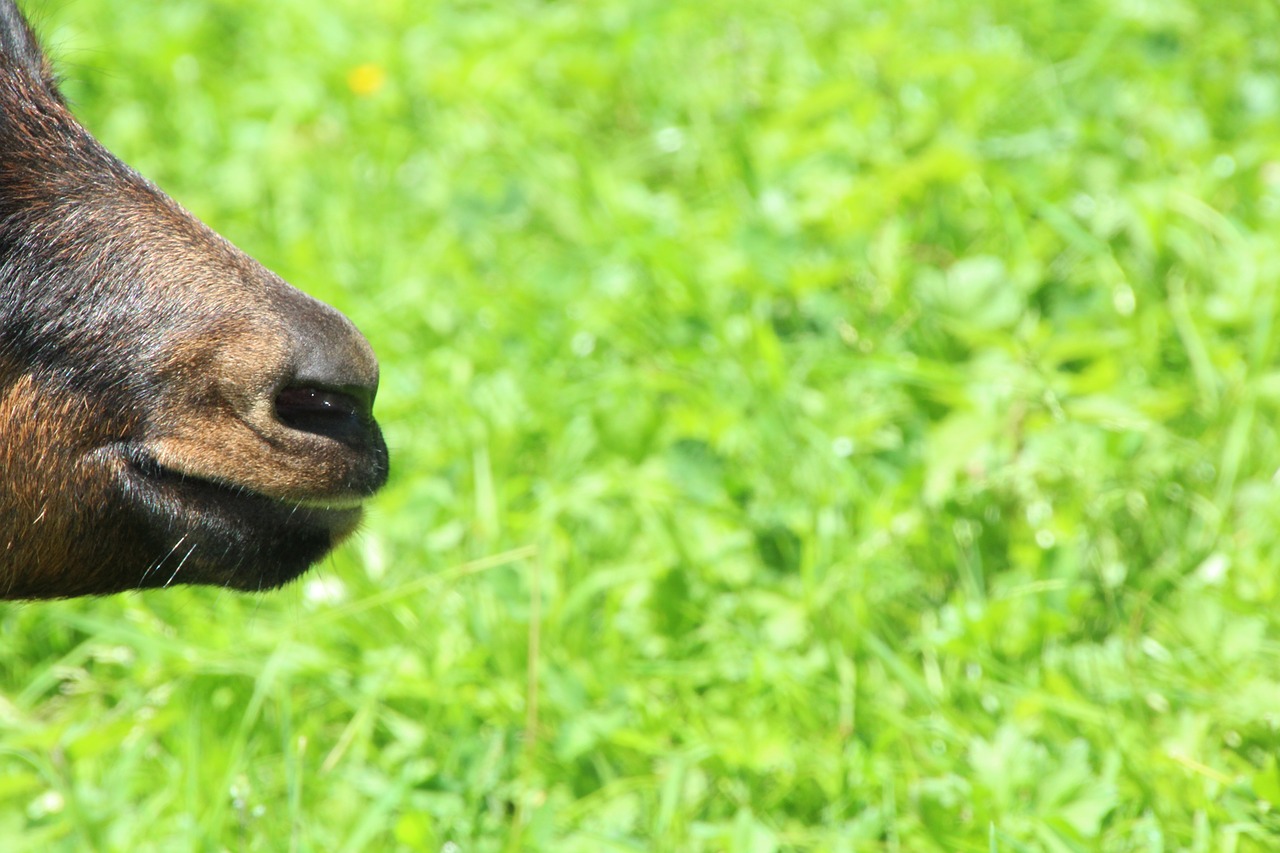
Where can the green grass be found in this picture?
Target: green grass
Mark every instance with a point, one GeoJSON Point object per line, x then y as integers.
{"type": "Point", "coordinates": [816, 427]}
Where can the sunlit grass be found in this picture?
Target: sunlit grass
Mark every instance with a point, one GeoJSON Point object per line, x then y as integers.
{"type": "Point", "coordinates": [817, 427]}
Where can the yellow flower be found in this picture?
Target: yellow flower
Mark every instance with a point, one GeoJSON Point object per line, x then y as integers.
{"type": "Point", "coordinates": [366, 79]}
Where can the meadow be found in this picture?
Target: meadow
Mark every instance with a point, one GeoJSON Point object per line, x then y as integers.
{"type": "Point", "coordinates": [831, 426]}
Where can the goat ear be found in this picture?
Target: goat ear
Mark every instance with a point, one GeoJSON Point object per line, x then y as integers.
{"type": "Point", "coordinates": [20, 50]}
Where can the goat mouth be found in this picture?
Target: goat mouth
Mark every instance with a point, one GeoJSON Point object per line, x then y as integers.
{"type": "Point", "coordinates": [237, 537]}
{"type": "Point", "coordinates": [145, 465]}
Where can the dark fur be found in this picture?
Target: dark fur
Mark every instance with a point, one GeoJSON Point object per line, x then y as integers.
{"type": "Point", "coordinates": [170, 411]}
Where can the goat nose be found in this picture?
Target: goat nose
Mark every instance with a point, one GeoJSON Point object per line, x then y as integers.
{"type": "Point", "coordinates": [334, 377]}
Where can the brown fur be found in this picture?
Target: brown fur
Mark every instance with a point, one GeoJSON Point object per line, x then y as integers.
{"type": "Point", "coordinates": [170, 411]}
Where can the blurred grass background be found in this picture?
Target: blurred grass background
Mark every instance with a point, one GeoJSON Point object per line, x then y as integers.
{"type": "Point", "coordinates": [836, 426]}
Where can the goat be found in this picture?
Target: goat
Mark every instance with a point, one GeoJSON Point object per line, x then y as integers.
{"type": "Point", "coordinates": [170, 411]}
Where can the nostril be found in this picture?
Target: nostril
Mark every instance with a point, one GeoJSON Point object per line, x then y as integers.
{"type": "Point", "coordinates": [316, 401]}
{"type": "Point", "coordinates": [338, 414]}
{"type": "Point", "coordinates": [331, 378]}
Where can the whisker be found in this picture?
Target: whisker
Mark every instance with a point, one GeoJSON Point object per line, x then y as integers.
{"type": "Point", "coordinates": [158, 563]}
{"type": "Point", "coordinates": [181, 564]}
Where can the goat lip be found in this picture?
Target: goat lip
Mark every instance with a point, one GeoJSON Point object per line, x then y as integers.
{"type": "Point", "coordinates": [146, 465]}
{"type": "Point", "coordinates": [187, 493]}
{"type": "Point", "coordinates": [337, 504]}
